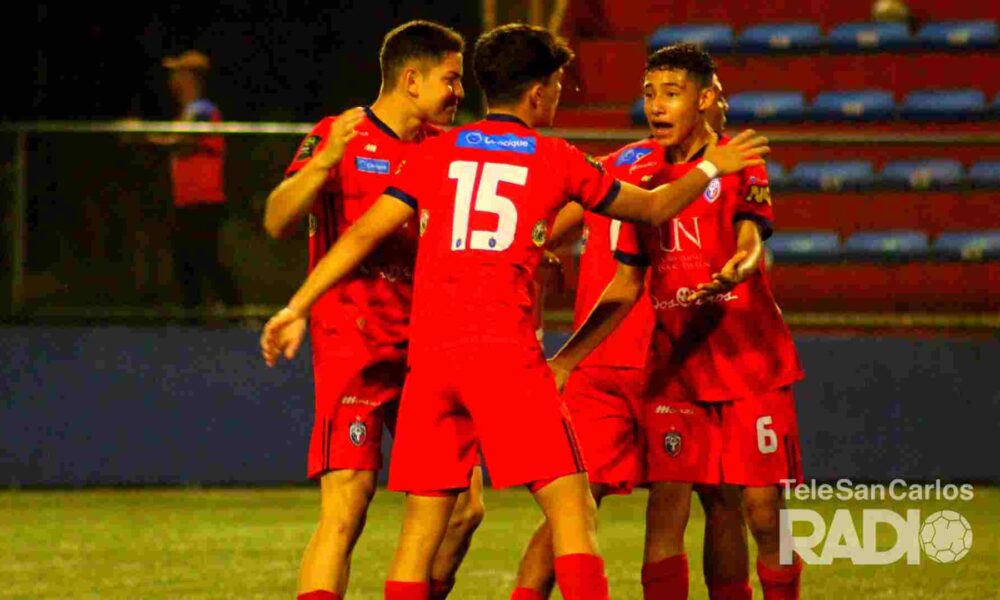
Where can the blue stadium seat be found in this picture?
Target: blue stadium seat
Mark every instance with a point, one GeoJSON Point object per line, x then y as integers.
{"type": "Point", "coordinates": [776, 174]}
{"type": "Point", "coordinates": [957, 104]}
{"type": "Point", "coordinates": [923, 174]}
{"type": "Point", "coordinates": [780, 36]}
{"type": "Point", "coordinates": [805, 247]}
{"type": "Point", "coordinates": [968, 245]}
{"type": "Point", "coordinates": [985, 174]}
{"type": "Point", "coordinates": [637, 113]}
{"type": "Point", "coordinates": [860, 105]}
{"type": "Point", "coordinates": [714, 37]}
{"type": "Point", "coordinates": [834, 176]}
{"type": "Point", "coordinates": [996, 105]}
{"type": "Point", "coordinates": [766, 106]}
{"type": "Point", "coordinates": [853, 37]}
{"type": "Point", "coordinates": [887, 245]}
{"type": "Point", "coordinates": [958, 34]}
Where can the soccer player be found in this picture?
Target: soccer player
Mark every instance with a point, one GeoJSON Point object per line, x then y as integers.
{"type": "Point", "coordinates": [718, 403]}
{"type": "Point", "coordinates": [486, 194]}
{"type": "Point", "coordinates": [604, 392]}
{"type": "Point", "coordinates": [359, 328]}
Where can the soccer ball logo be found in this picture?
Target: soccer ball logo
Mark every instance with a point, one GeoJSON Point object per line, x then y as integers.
{"type": "Point", "coordinates": [946, 536]}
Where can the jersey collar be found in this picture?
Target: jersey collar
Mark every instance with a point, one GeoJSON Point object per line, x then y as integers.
{"type": "Point", "coordinates": [506, 118]}
{"type": "Point", "coordinates": [380, 123]}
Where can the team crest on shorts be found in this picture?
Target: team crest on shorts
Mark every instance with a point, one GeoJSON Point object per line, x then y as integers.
{"type": "Point", "coordinates": [672, 443]}
{"type": "Point", "coordinates": [358, 432]}
{"type": "Point", "coordinates": [540, 233]}
{"type": "Point", "coordinates": [713, 190]}
{"type": "Point", "coordinates": [424, 217]}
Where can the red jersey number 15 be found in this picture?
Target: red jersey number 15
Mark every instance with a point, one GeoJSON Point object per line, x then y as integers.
{"type": "Point", "coordinates": [482, 184]}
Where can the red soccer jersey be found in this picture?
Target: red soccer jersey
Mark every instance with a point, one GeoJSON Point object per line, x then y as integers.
{"type": "Point", "coordinates": [487, 194]}
{"type": "Point", "coordinates": [729, 345]}
{"type": "Point", "coordinates": [197, 173]}
{"type": "Point", "coordinates": [375, 299]}
{"type": "Point", "coordinates": [628, 344]}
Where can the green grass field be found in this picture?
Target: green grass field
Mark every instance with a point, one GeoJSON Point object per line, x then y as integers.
{"type": "Point", "coordinates": [246, 543]}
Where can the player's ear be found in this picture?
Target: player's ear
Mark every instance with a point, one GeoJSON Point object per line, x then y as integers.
{"type": "Point", "coordinates": [411, 80]}
{"type": "Point", "coordinates": [535, 93]}
{"type": "Point", "coordinates": [707, 98]}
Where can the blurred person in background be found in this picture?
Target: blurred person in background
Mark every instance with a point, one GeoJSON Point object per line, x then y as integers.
{"type": "Point", "coordinates": [196, 165]}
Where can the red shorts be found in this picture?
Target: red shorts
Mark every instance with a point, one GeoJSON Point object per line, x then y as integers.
{"type": "Point", "coordinates": [752, 441]}
{"type": "Point", "coordinates": [355, 395]}
{"type": "Point", "coordinates": [606, 405]}
{"type": "Point", "coordinates": [502, 399]}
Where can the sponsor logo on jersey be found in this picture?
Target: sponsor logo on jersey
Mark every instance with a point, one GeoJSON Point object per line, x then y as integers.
{"type": "Point", "coordinates": [683, 299]}
{"type": "Point", "coordinates": [308, 147]}
{"type": "Point", "coordinates": [358, 432]}
{"type": "Point", "coordinates": [672, 443]}
{"type": "Point", "coordinates": [713, 190]}
{"type": "Point", "coordinates": [632, 156]}
{"type": "Point", "coordinates": [507, 142]}
{"type": "Point", "coordinates": [313, 225]}
{"type": "Point", "coordinates": [424, 217]}
{"type": "Point", "coordinates": [540, 233]}
{"type": "Point", "coordinates": [761, 194]}
{"type": "Point", "coordinates": [377, 166]}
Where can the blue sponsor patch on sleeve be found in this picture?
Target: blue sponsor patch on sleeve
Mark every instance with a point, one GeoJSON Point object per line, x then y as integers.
{"type": "Point", "coordinates": [632, 156]}
{"type": "Point", "coordinates": [378, 166]}
{"type": "Point", "coordinates": [507, 142]}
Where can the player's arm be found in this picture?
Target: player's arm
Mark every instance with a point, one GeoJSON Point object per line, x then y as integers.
{"type": "Point", "coordinates": [568, 219]}
{"type": "Point", "coordinates": [292, 198]}
{"type": "Point", "coordinates": [619, 297]}
{"type": "Point", "coordinates": [744, 263]}
{"type": "Point", "coordinates": [665, 202]}
{"type": "Point", "coordinates": [284, 331]}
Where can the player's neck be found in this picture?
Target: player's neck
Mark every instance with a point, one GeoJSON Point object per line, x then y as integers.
{"type": "Point", "coordinates": [521, 112]}
{"type": "Point", "coordinates": [700, 136]}
{"type": "Point", "coordinates": [397, 113]}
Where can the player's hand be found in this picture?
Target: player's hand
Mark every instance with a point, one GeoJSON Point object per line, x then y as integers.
{"type": "Point", "coordinates": [561, 374]}
{"type": "Point", "coordinates": [282, 336]}
{"type": "Point", "coordinates": [342, 131]}
{"type": "Point", "coordinates": [744, 150]}
{"type": "Point", "coordinates": [733, 273]}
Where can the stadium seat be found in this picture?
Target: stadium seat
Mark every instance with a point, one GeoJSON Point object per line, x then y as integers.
{"type": "Point", "coordinates": [996, 105]}
{"type": "Point", "coordinates": [985, 174]}
{"type": "Point", "coordinates": [638, 113]}
{"type": "Point", "coordinates": [833, 176]}
{"type": "Point", "coordinates": [714, 37]}
{"type": "Point", "coordinates": [958, 34]}
{"type": "Point", "coordinates": [892, 245]}
{"type": "Point", "coordinates": [923, 174]}
{"type": "Point", "coordinates": [860, 105]}
{"type": "Point", "coordinates": [852, 37]}
{"type": "Point", "coordinates": [766, 106]}
{"type": "Point", "coordinates": [805, 247]}
{"type": "Point", "coordinates": [968, 245]}
{"type": "Point", "coordinates": [957, 104]}
{"type": "Point", "coordinates": [780, 36]}
{"type": "Point", "coordinates": [776, 174]}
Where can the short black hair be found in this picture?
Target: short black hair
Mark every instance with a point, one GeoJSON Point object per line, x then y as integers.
{"type": "Point", "coordinates": [510, 58]}
{"type": "Point", "coordinates": [416, 40]}
{"type": "Point", "coordinates": [684, 57]}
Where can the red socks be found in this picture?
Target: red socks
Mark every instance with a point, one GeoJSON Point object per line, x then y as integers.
{"type": "Point", "coordinates": [581, 577]}
{"type": "Point", "coordinates": [407, 590]}
{"type": "Point", "coordinates": [526, 594]}
{"type": "Point", "coordinates": [441, 589]}
{"type": "Point", "coordinates": [730, 590]}
{"type": "Point", "coordinates": [319, 595]}
{"type": "Point", "coordinates": [666, 579]}
{"type": "Point", "coordinates": [780, 584]}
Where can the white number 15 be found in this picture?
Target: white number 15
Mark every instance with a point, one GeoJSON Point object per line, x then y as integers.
{"type": "Point", "coordinates": [487, 200]}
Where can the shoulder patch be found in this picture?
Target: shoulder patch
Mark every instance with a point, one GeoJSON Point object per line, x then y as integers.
{"type": "Point", "coordinates": [632, 156]}
{"type": "Point", "coordinates": [761, 194]}
{"type": "Point", "coordinates": [308, 147]}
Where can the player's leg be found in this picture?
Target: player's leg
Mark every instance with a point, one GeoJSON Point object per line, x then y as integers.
{"type": "Point", "coordinates": [726, 566]}
{"type": "Point", "coordinates": [762, 452]}
{"type": "Point", "coordinates": [536, 575]}
{"type": "Point", "coordinates": [665, 564]}
{"type": "Point", "coordinates": [466, 516]}
{"type": "Point", "coordinates": [425, 522]}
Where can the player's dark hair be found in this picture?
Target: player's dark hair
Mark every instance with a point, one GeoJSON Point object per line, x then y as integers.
{"type": "Point", "coordinates": [510, 59]}
{"type": "Point", "coordinates": [416, 40]}
{"type": "Point", "coordinates": [684, 57]}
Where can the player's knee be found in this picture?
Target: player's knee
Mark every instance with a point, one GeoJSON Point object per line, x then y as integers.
{"type": "Point", "coordinates": [469, 516]}
{"type": "Point", "coordinates": [346, 498]}
{"type": "Point", "coordinates": [762, 518]}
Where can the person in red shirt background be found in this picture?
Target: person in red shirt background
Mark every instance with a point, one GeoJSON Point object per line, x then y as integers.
{"type": "Point", "coordinates": [196, 172]}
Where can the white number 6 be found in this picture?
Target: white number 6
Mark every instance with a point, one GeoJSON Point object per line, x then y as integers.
{"type": "Point", "coordinates": [767, 440]}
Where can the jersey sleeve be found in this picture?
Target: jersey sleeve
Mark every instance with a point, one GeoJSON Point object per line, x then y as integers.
{"type": "Point", "coordinates": [311, 144]}
{"type": "Point", "coordinates": [408, 184]}
{"type": "Point", "coordinates": [587, 181]}
{"type": "Point", "coordinates": [753, 201]}
{"type": "Point", "coordinates": [627, 247]}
